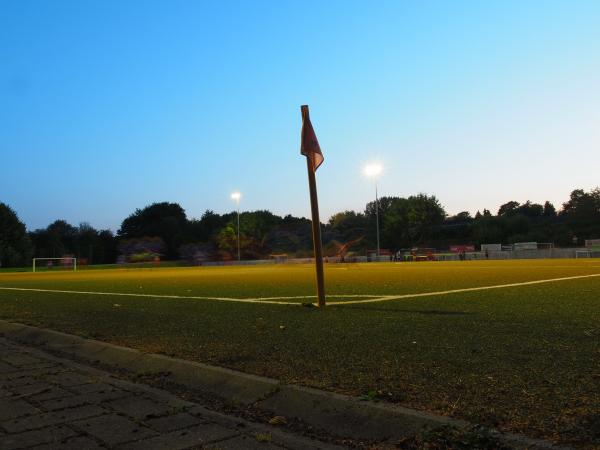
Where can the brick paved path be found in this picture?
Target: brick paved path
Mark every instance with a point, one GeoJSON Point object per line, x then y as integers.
{"type": "Point", "coordinates": [52, 403]}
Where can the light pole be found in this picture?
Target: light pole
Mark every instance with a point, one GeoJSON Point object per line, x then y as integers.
{"type": "Point", "coordinates": [236, 196]}
{"type": "Point", "coordinates": [372, 171]}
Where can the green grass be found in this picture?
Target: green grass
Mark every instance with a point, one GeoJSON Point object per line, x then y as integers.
{"type": "Point", "coordinates": [524, 359]}
{"type": "Point", "coordinates": [60, 268]}
{"type": "Point", "coordinates": [298, 280]}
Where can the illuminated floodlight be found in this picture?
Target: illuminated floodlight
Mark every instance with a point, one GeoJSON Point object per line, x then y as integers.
{"type": "Point", "coordinates": [372, 170]}
{"type": "Point", "coordinates": [236, 196]}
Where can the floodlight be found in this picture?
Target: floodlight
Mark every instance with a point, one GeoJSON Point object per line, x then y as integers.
{"type": "Point", "coordinates": [236, 196]}
{"type": "Point", "coordinates": [372, 170]}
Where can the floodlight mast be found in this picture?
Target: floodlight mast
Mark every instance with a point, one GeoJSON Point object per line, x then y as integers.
{"type": "Point", "coordinates": [372, 171]}
{"type": "Point", "coordinates": [236, 196]}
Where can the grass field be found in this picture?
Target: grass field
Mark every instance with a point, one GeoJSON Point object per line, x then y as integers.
{"type": "Point", "coordinates": [524, 358]}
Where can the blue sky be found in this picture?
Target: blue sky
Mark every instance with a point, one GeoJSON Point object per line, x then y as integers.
{"type": "Point", "coordinates": [108, 106]}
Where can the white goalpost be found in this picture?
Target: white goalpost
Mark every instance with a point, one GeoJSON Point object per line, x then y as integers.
{"type": "Point", "coordinates": [68, 262]}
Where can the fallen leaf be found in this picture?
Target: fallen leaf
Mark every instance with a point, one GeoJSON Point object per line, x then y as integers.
{"type": "Point", "coordinates": [278, 420]}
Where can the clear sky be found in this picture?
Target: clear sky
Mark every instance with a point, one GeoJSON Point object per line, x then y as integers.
{"type": "Point", "coordinates": [107, 106]}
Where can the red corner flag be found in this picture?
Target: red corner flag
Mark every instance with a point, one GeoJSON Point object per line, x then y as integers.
{"type": "Point", "coordinates": [309, 145]}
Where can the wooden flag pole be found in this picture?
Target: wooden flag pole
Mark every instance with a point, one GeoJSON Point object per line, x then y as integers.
{"type": "Point", "coordinates": [310, 148]}
{"type": "Point", "coordinates": [316, 230]}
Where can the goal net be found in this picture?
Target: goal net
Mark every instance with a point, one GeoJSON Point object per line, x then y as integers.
{"type": "Point", "coordinates": [47, 264]}
{"type": "Point", "coordinates": [588, 253]}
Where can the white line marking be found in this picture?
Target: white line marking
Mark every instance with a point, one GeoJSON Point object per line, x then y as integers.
{"type": "Point", "coordinates": [126, 294]}
{"type": "Point", "coordinates": [268, 300]}
{"type": "Point", "coordinates": [271, 300]}
{"type": "Point", "coordinates": [454, 291]}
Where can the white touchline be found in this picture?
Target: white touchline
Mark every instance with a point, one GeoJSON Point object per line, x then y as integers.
{"type": "Point", "coordinates": [370, 298]}
{"type": "Point", "coordinates": [127, 294]}
{"type": "Point", "coordinates": [268, 300]}
{"type": "Point", "coordinates": [455, 291]}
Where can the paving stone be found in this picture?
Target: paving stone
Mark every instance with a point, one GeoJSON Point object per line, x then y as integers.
{"type": "Point", "coordinates": [30, 389]}
{"type": "Point", "coordinates": [26, 375]}
{"type": "Point", "coordinates": [114, 429]}
{"type": "Point", "coordinates": [11, 409]}
{"type": "Point", "coordinates": [242, 443]}
{"type": "Point", "coordinates": [66, 406]}
{"type": "Point", "coordinates": [174, 402]}
{"type": "Point", "coordinates": [30, 438]}
{"type": "Point", "coordinates": [195, 436]}
{"type": "Point", "coordinates": [75, 443]}
{"type": "Point", "coordinates": [140, 407]}
{"type": "Point", "coordinates": [52, 393]}
{"type": "Point", "coordinates": [52, 418]}
{"type": "Point", "coordinates": [21, 360]}
{"type": "Point", "coordinates": [67, 379]}
{"type": "Point", "coordinates": [209, 416]}
{"type": "Point", "coordinates": [15, 381]}
{"type": "Point", "coordinates": [173, 422]}
{"type": "Point", "coordinates": [94, 386]}
{"type": "Point", "coordinates": [7, 368]}
{"type": "Point", "coordinates": [41, 365]}
{"type": "Point", "coordinates": [83, 399]}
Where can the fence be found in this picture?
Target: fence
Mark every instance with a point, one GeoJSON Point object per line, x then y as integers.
{"type": "Point", "coordinates": [545, 253]}
{"type": "Point", "coordinates": [542, 253]}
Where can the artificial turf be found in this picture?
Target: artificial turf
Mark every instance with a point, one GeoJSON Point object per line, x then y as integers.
{"type": "Point", "coordinates": [524, 359]}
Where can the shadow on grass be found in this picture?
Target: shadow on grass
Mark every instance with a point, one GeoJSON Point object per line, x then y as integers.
{"type": "Point", "coordinates": [427, 312]}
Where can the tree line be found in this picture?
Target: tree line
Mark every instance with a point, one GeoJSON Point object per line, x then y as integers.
{"type": "Point", "coordinates": [163, 231]}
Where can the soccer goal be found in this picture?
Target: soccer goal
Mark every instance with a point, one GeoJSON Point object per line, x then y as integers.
{"type": "Point", "coordinates": [583, 254]}
{"type": "Point", "coordinates": [66, 263]}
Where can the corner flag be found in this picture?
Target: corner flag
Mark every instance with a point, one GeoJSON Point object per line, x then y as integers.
{"type": "Point", "coordinates": [309, 147]}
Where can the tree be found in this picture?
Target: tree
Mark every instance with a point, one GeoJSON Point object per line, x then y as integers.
{"type": "Point", "coordinates": [107, 248]}
{"type": "Point", "coordinates": [531, 210]}
{"type": "Point", "coordinates": [461, 217]}
{"type": "Point", "coordinates": [258, 224]}
{"type": "Point", "coordinates": [488, 230]}
{"type": "Point", "coordinates": [549, 210]}
{"type": "Point", "coordinates": [293, 235]}
{"type": "Point", "coordinates": [15, 246]}
{"type": "Point", "coordinates": [517, 228]}
{"type": "Point", "coordinates": [165, 220]}
{"type": "Point", "coordinates": [508, 209]}
{"type": "Point", "coordinates": [385, 203]}
{"type": "Point", "coordinates": [348, 225]}
{"type": "Point", "coordinates": [582, 213]}
{"type": "Point", "coordinates": [583, 205]}
{"type": "Point", "coordinates": [227, 242]}
{"type": "Point", "coordinates": [207, 227]}
{"type": "Point", "coordinates": [141, 249]}
{"type": "Point", "coordinates": [86, 242]}
{"type": "Point", "coordinates": [59, 239]}
{"type": "Point", "coordinates": [410, 221]}
{"type": "Point", "coordinates": [197, 252]}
